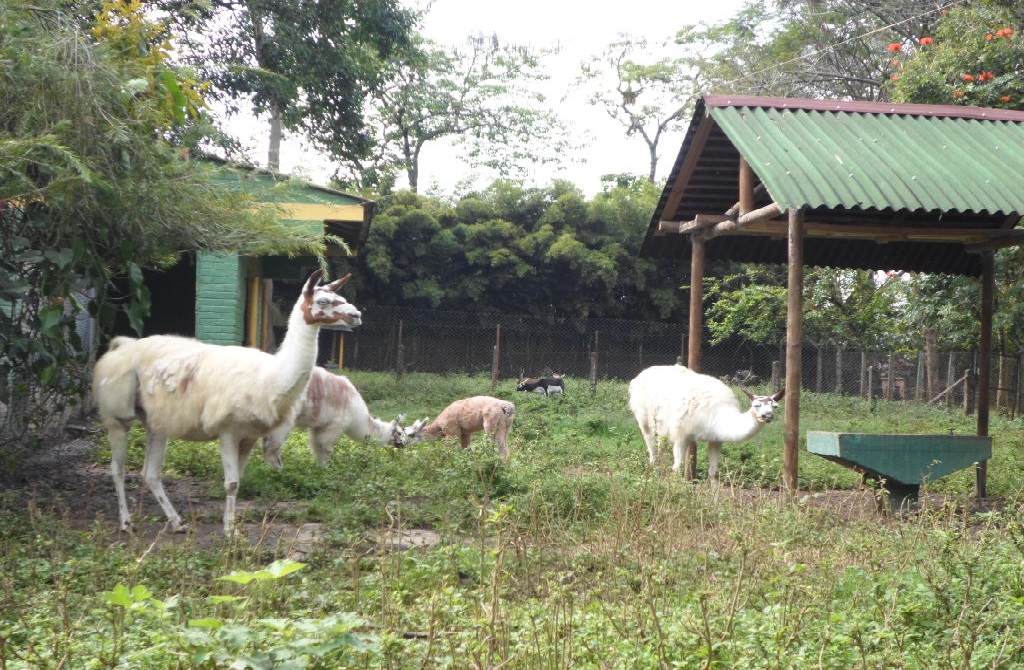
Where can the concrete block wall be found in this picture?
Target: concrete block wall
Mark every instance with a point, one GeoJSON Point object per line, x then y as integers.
{"type": "Point", "coordinates": [220, 298]}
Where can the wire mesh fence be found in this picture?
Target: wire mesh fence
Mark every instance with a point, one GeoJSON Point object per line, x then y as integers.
{"type": "Point", "coordinates": [509, 346]}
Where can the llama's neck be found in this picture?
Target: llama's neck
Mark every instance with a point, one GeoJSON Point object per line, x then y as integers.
{"type": "Point", "coordinates": [378, 430]}
{"type": "Point", "coordinates": [736, 426]}
{"type": "Point", "coordinates": [296, 356]}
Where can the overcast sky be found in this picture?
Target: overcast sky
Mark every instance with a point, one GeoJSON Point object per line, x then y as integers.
{"type": "Point", "coordinates": [580, 29]}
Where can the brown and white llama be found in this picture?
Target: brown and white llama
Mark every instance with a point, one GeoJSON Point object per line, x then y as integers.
{"type": "Point", "coordinates": [180, 388]}
{"type": "Point", "coordinates": [464, 417]}
{"type": "Point", "coordinates": [674, 402]}
{"type": "Point", "coordinates": [332, 407]}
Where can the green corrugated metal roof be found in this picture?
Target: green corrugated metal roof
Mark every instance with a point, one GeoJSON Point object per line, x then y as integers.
{"type": "Point", "coordinates": [881, 186]}
{"type": "Point", "coordinates": [839, 159]}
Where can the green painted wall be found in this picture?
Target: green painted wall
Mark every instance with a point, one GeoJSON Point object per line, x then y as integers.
{"type": "Point", "coordinates": [220, 298]}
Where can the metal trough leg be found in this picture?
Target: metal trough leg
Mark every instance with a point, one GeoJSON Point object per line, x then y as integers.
{"type": "Point", "coordinates": [901, 497]}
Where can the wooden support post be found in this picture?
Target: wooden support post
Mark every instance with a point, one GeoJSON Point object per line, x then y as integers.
{"type": "Point", "coordinates": [696, 336]}
{"type": "Point", "coordinates": [746, 187]}
{"type": "Point", "coordinates": [985, 359]}
{"type": "Point", "coordinates": [794, 343]}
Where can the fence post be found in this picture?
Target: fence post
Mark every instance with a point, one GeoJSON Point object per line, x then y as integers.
{"type": "Point", "coordinates": [496, 358]}
{"type": "Point", "coordinates": [593, 364]}
{"type": "Point", "coordinates": [776, 375]}
{"type": "Point", "coordinates": [862, 377]}
{"type": "Point", "coordinates": [950, 380]}
{"type": "Point", "coordinates": [400, 358]}
{"type": "Point", "coordinates": [969, 383]}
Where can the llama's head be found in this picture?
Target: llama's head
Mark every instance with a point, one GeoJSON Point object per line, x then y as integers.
{"type": "Point", "coordinates": [322, 306]}
{"type": "Point", "coordinates": [397, 434]}
{"type": "Point", "coordinates": [414, 433]}
{"type": "Point", "coordinates": [763, 406]}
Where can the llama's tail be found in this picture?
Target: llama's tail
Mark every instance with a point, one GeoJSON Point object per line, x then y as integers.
{"type": "Point", "coordinates": [119, 341]}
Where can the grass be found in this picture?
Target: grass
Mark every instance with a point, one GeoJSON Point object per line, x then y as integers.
{"type": "Point", "coordinates": [575, 554]}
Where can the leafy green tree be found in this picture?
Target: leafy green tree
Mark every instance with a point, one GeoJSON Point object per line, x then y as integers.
{"type": "Point", "coordinates": [480, 97]}
{"type": "Point", "coordinates": [91, 188]}
{"type": "Point", "coordinates": [544, 251]}
{"type": "Point", "coordinates": [307, 65]}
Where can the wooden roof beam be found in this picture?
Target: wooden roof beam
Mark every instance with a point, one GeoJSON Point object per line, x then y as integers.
{"type": "Point", "coordinates": [689, 166]}
{"type": "Point", "coordinates": [978, 239]}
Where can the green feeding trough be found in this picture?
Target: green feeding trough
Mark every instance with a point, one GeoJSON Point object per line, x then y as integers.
{"type": "Point", "coordinates": [901, 463]}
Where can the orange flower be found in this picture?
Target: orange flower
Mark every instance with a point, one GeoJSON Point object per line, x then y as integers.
{"type": "Point", "coordinates": [1007, 32]}
{"type": "Point", "coordinates": [1006, 98]}
{"type": "Point", "coordinates": [927, 40]}
{"type": "Point", "coordinates": [958, 94]}
{"type": "Point", "coordinates": [989, 36]}
{"type": "Point", "coordinates": [895, 61]}
{"type": "Point", "coordinates": [895, 77]}
{"type": "Point", "coordinates": [999, 33]}
{"type": "Point", "coordinates": [967, 77]}
{"type": "Point", "coordinates": [895, 47]}
{"type": "Point", "coordinates": [986, 76]}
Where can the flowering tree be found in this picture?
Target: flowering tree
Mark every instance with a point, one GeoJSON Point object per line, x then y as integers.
{"type": "Point", "coordinates": [973, 58]}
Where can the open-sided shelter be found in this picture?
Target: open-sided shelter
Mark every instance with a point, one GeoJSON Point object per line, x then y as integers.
{"type": "Point", "coordinates": [844, 184]}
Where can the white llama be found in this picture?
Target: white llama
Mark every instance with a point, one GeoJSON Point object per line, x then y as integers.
{"type": "Point", "coordinates": [330, 408]}
{"type": "Point", "coordinates": [464, 417]}
{"type": "Point", "coordinates": [674, 402]}
{"type": "Point", "coordinates": [180, 388]}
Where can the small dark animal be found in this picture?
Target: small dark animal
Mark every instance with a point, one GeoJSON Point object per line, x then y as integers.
{"type": "Point", "coordinates": [545, 385]}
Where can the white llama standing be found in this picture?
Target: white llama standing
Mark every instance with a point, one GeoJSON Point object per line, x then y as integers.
{"type": "Point", "coordinates": [674, 402]}
{"type": "Point", "coordinates": [332, 407]}
{"type": "Point", "coordinates": [180, 388]}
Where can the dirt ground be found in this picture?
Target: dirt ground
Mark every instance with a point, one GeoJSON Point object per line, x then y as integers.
{"type": "Point", "coordinates": [62, 480]}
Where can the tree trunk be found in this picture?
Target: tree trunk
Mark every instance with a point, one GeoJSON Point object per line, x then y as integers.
{"type": "Point", "coordinates": [274, 145]}
{"type": "Point", "coordinates": [839, 369]}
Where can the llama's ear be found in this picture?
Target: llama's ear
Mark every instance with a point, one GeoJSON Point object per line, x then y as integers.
{"type": "Point", "coordinates": [338, 283]}
{"type": "Point", "coordinates": [778, 396]}
{"type": "Point", "coordinates": [400, 418]}
{"type": "Point", "coordinates": [311, 283]}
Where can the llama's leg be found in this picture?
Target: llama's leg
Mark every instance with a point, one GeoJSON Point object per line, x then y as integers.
{"type": "Point", "coordinates": [117, 436]}
{"type": "Point", "coordinates": [273, 443]}
{"type": "Point", "coordinates": [714, 453]}
{"type": "Point", "coordinates": [156, 450]}
{"type": "Point", "coordinates": [465, 438]}
{"type": "Point", "coordinates": [322, 442]}
{"type": "Point", "coordinates": [650, 439]}
{"type": "Point", "coordinates": [501, 439]}
{"type": "Point", "coordinates": [230, 457]}
{"type": "Point", "coordinates": [678, 452]}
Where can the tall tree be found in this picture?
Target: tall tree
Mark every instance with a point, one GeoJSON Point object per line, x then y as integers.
{"type": "Point", "coordinates": [648, 96]}
{"type": "Point", "coordinates": [92, 188]}
{"type": "Point", "coordinates": [483, 97]}
{"type": "Point", "coordinates": [808, 48]}
{"type": "Point", "coordinates": [307, 64]}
